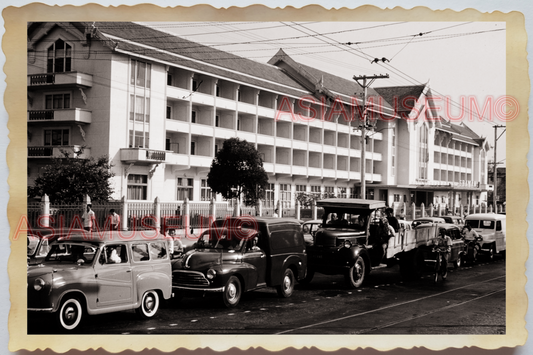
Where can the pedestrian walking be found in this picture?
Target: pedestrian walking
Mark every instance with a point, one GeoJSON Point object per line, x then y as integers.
{"type": "Point", "coordinates": [115, 220]}
{"type": "Point", "coordinates": [88, 218]}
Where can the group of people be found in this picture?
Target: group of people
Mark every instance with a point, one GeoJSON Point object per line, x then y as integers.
{"type": "Point", "coordinates": [89, 219]}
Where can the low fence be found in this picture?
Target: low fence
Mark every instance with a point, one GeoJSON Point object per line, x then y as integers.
{"type": "Point", "coordinates": [184, 214]}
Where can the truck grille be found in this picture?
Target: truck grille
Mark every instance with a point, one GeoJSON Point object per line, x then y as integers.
{"type": "Point", "coordinates": [189, 278]}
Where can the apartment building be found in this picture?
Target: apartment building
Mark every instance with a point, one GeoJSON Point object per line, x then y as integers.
{"type": "Point", "coordinates": [161, 106]}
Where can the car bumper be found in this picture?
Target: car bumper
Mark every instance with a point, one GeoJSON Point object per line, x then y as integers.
{"type": "Point", "coordinates": [198, 289]}
{"type": "Point", "coordinates": [45, 310]}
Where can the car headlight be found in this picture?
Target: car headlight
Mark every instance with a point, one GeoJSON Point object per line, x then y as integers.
{"type": "Point", "coordinates": [347, 244]}
{"type": "Point", "coordinates": [211, 274]}
{"type": "Point", "coordinates": [38, 284]}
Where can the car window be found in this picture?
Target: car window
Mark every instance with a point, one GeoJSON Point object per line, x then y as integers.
{"type": "Point", "coordinates": [498, 225]}
{"type": "Point", "coordinates": [71, 253]}
{"type": "Point", "coordinates": [114, 254]}
{"type": "Point", "coordinates": [158, 250]}
{"type": "Point", "coordinates": [306, 228]}
{"type": "Point", "coordinates": [474, 223]}
{"type": "Point", "coordinates": [140, 252]}
{"type": "Point", "coordinates": [33, 242]}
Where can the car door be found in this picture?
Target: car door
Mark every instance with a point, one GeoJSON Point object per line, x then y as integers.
{"type": "Point", "coordinates": [113, 276]}
{"type": "Point", "coordinates": [256, 257]}
{"type": "Point", "coordinates": [457, 244]}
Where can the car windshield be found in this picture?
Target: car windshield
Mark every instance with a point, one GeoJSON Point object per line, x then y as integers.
{"type": "Point", "coordinates": [33, 243]}
{"type": "Point", "coordinates": [475, 223]}
{"type": "Point", "coordinates": [225, 239]}
{"type": "Point", "coordinates": [346, 220]}
{"type": "Point", "coordinates": [73, 253]}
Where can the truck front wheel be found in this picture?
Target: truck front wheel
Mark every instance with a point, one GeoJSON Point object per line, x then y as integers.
{"type": "Point", "coordinates": [232, 292]}
{"type": "Point", "coordinates": [356, 274]}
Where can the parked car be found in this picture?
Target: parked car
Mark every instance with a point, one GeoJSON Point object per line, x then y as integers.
{"type": "Point", "coordinates": [422, 220]}
{"type": "Point", "coordinates": [95, 273]}
{"type": "Point", "coordinates": [237, 255]}
{"type": "Point", "coordinates": [457, 220]}
{"type": "Point", "coordinates": [309, 229]}
{"type": "Point", "coordinates": [490, 226]}
{"type": "Point", "coordinates": [458, 250]}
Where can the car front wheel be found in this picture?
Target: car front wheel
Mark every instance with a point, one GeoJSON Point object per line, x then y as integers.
{"type": "Point", "coordinates": [356, 274]}
{"type": "Point", "coordinates": [149, 304]}
{"type": "Point", "coordinates": [70, 313]}
{"type": "Point", "coordinates": [232, 292]}
{"type": "Point", "coordinates": [287, 284]}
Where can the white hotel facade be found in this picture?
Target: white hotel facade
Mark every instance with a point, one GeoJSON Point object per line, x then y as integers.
{"type": "Point", "coordinates": [160, 106]}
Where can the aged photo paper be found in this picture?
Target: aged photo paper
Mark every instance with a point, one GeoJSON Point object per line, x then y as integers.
{"type": "Point", "coordinates": [517, 90]}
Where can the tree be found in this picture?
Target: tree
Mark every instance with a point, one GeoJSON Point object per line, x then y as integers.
{"type": "Point", "coordinates": [68, 179]}
{"type": "Point", "coordinates": [237, 171]}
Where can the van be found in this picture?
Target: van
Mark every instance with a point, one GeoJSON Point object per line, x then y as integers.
{"type": "Point", "coordinates": [96, 273]}
{"type": "Point", "coordinates": [491, 227]}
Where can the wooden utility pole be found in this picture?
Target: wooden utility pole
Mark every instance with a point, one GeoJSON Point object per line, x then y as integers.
{"type": "Point", "coordinates": [365, 81]}
{"type": "Point", "coordinates": [495, 173]}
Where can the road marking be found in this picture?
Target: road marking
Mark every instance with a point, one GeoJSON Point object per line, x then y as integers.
{"type": "Point", "coordinates": [386, 307]}
{"type": "Point", "coordinates": [431, 312]}
{"type": "Point", "coordinates": [173, 324]}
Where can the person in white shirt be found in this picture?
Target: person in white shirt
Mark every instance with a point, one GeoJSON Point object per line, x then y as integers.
{"type": "Point", "coordinates": [88, 218]}
{"type": "Point", "coordinates": [115, 220]}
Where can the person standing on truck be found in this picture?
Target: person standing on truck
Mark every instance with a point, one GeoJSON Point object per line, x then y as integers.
{"type": "Point", "coordinates": [386, 232]}
{"type": "Point", "coordinates": [393, 221]}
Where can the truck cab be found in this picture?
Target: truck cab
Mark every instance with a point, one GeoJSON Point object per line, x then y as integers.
{"type": "Point", "coordinates": [349, 241]}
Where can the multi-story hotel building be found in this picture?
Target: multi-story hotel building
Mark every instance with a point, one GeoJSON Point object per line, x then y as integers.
{"type": "Point", "coordinates": [161, 106]}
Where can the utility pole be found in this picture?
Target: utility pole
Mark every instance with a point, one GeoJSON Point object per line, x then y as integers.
{"type": "Point", "coordinates": [495, 174]}
{"type": "Point", "coordinates": [365, 81]}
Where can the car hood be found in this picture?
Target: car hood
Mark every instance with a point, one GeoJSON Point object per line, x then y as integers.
{"type": "Point", "coordinates": [327, 236]}
{"type": "Point", "coordinates": [200, 259]}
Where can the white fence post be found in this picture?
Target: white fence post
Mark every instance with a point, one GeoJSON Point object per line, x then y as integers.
{"type": "Point", "coordinates": [45, 211]}
{"type": "Point", "coordinates": [314, 210]}
{"type": "Point", "coordinates": [185, 216]}
{"type": "Point", "coordinates": [157, 213]}
{"type": "Point", "coordinates": [124, 217]}
{"type": "Point", "coordinates": [297, 209]}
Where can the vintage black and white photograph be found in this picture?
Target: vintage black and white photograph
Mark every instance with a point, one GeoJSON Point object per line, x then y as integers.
{"type": "Point", "coordinates": [275, 177]}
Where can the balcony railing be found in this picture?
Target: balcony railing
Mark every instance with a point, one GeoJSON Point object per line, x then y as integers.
{"type": "Point", "coordinates": [63, 115]}
{"type": "Point", "coordinates": [140, 155]}
{"type": "Point", "coordinates": [70, 78]}
{"type": "Point", "coordinates": [57, 151]}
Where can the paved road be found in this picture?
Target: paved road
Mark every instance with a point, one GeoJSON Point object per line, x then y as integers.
{"type": "Point", "coordinates": [471, 301]}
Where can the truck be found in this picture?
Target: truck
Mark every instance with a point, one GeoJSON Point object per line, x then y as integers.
{"type": "Point", "coordinates": [349, 242]}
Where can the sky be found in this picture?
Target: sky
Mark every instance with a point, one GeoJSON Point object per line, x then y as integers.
{"type": "Point", "coordinates": [458, 59]}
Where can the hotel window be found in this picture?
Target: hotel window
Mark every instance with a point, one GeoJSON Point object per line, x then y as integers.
{"type": "Point", "coordinates": [57, 101]}
{"type": "Point", "coordinates": [193, 148]}
{"type": "Point", "coordinates": [269, 196]}
{"type": "Point", "coordinates": [56, 137]}
{"type": "Point", "coordinates": [59, 57]}
{"type": "Point", "coordinates": [423, 153]}
{"type": "Point", "coordinates": [396, 197]}
{"type": "Point", "coordinates": [141, 73]}
{"type": "Point", "coordinates": [185, 189]}
{"type": "Point", "coordinates": [139, 139]}
{"type": "Point", "coordinates": [315, 190]}
{"type": "Point", "coordinates": [169, 112]}
{"type": "Point", "coordinates": [137, 186]}
{"type": "Point", "coordinates": [285, 195]}
{"type": "Point", "coordinates": [300, 188]}
{"type": "Point", "coordinates": [169, 79]}
{"type": "Point", "coordinates": [206, 192]}
{"type": "Point", "coordinates": [193, 117]}
{"type": "Point", "coordinates": [482, 180]}
{"type": "Point", "coordinates": [217, 90]}
{"type": "Point", "coordinates": [329, 191]}
{"type": "Point", "coordinates": [341, 192]}
{"type": "Point", "coordinates": [217, 121]}
{"type": "Point", "coordinates": [140, 108]}
{"type": "Point", "coordinates": [194, 85]}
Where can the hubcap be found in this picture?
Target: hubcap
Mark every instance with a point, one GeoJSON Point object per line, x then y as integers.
{"type": "Point", "coordinates": [357, 271]}
{"type": "Point", "coordinates": [287, 282]}
{"type": "Point", "coordinates": [70, 314]}
{"type": "Point", "coordinates": [149, 304]}
{"type": "Point", "coordinates": [232, 291]}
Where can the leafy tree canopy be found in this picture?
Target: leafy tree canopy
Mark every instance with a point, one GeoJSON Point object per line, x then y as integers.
{"type": "Point", "coordinates": [237, 170]}
{"type": "Point", "coordinates": [69, 179]}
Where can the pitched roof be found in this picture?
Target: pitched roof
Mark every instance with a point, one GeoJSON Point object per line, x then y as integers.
{"type": "Point", "coordinates": [402, 98]}
{"type": "Point", "coordinates": [146, 41]}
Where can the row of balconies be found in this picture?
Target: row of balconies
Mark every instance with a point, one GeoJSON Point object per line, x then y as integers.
{"type": "Point", "coordinates": [38, 81]}
{"type": "Point", "coordinates": [64, 115]}
{"type": "Point", "coordinates": [451, 151]}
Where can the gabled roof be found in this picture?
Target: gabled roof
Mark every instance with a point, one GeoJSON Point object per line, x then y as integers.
{"type": "Point", "coordinates": [402, 98]}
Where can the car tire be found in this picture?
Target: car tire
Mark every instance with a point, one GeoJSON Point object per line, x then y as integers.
{"type": "Point", "coordinates": [232, 292]}
{"type": "Point", "coordinates": [70, 313]}
{"type": "Point", "coordinates": [287, 284]}
{"type": "Point", "coordinates": [355, 276]}
{"type": "Point", "coordinates": [149, 304]}
{"type": "Point", "coordinates": [308, 277]}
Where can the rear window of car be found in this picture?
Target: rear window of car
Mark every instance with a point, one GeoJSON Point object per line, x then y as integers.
{"type": "Point", "coordinates": [158, 250]}
{"type": "Point", "coordinates": [140, 252]}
